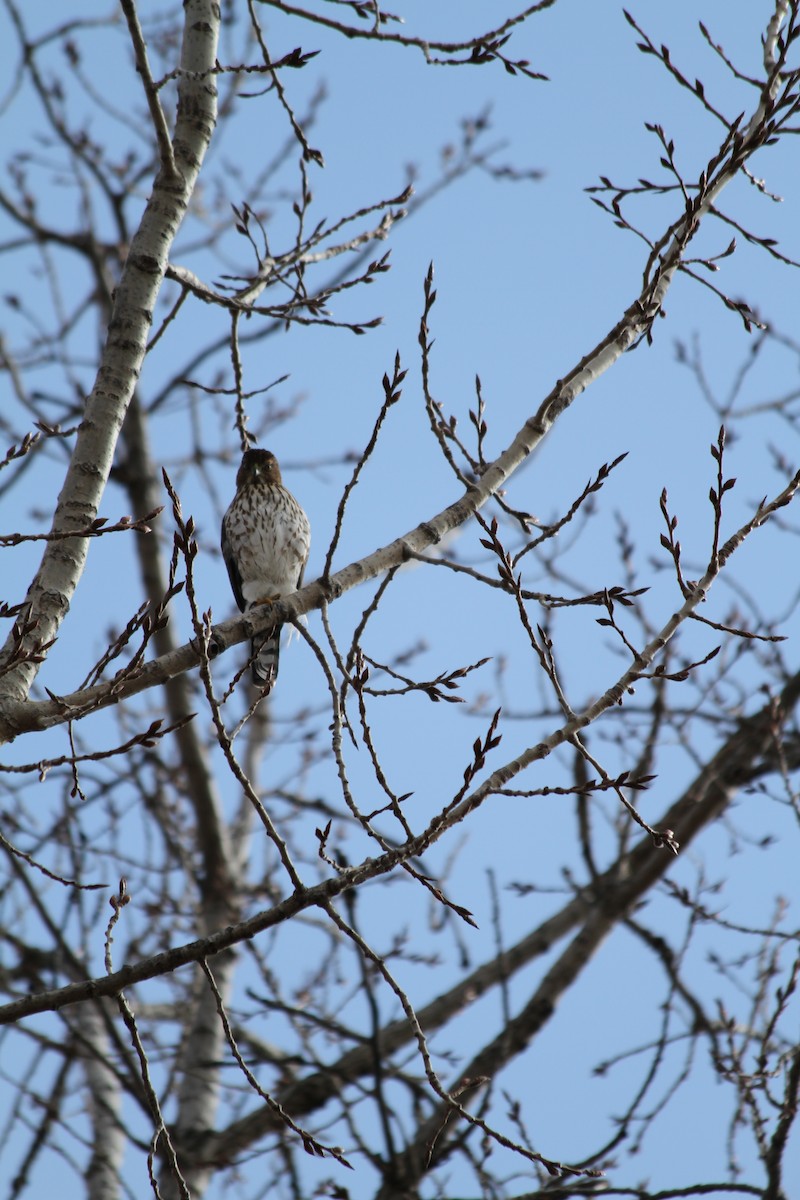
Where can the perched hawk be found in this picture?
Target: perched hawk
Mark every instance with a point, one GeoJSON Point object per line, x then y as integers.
{"type": "Point", "coordinates": [265, 543]}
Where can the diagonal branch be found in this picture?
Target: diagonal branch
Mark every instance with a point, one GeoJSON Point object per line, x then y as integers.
{"type": "Point", "coordinates": [51, 591]}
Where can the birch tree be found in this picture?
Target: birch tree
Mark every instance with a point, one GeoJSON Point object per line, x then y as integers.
{"type": "Point", "coordinates": [273, 945]}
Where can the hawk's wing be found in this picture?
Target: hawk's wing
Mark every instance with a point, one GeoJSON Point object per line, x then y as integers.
{"type": "Point", "coordinates": [302, 544]}
{"type": "Point", "coordinates": [232, 565]}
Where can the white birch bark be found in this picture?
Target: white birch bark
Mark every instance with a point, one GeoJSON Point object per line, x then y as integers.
{"type": "Point", "coordinates": [103, 1171]}
{"type": "Point", "coordinates": [50, 593]}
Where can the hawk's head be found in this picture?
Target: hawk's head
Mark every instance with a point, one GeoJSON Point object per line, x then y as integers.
{"type": "Point", "coordinates": [258, 466]}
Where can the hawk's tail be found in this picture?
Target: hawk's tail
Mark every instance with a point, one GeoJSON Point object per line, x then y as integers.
{"type": "Point", "coordinates": [265, 655]}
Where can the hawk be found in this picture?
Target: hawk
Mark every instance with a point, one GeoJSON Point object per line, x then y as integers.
{"type": "Point", "coordinates": [265, 542]}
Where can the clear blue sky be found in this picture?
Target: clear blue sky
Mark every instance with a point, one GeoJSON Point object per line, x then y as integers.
{"type": "Point", "coordinates": [530, 275]}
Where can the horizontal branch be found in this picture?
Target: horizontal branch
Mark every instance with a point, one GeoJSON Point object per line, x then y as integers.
{"type": "Point", "coordinates": [97, 528]}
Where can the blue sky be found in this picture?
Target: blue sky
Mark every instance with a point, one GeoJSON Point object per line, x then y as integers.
{"type": "Point", "coordinates": [530, 275]}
